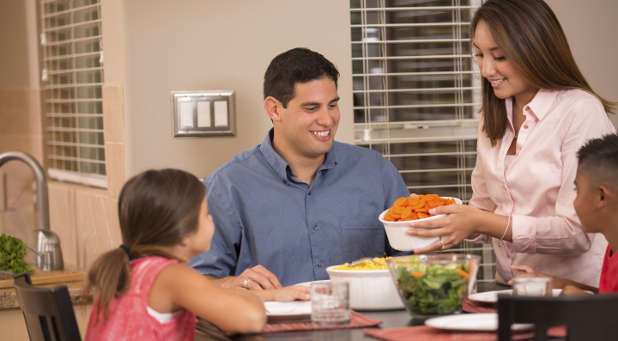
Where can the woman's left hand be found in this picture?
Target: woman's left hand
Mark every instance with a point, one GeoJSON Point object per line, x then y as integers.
{"type": "Point", "coordinates": [459, 224]}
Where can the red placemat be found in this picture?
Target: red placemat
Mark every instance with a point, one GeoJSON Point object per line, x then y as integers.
{"type": "Point", "coordinates": [422, 333]}
{"type": "Point", "coordinates": [357, 320]}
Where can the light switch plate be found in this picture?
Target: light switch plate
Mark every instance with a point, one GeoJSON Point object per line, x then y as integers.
{"type": "Point", "coordinates": [203, 113]}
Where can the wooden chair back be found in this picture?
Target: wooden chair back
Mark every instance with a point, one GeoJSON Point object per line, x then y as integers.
{"type": "Point", "coordinates": [588, 317]}
{"type": "Point", "coordinates": [48, 312]}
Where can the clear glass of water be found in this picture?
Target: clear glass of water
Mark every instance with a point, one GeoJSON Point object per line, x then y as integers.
{"type": "Point", "coordinates": [532, 286]}
{"type": "Point", "coordinates": [330, 302]}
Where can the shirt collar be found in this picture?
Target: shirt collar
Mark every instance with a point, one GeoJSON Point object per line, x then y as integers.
{"type": "Point", "coordinates": [539, 106]}
{"type": "Point", "coordinates": [281, 167]}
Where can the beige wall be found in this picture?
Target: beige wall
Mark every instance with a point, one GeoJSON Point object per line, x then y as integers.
{"type": "Point", "coordinates": [592, 29]}
{"type": "Point", "coordinates": [207, 45]}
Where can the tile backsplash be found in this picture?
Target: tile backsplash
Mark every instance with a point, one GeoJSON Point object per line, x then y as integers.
{"type": "Point", "coordinates": [84, 218]}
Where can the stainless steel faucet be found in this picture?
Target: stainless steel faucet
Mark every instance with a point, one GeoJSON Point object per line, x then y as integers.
{"type": "Point", "coordinates": [49, 253]}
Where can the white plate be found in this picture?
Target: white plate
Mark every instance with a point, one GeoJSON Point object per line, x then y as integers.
{"type": "Point", "coordinates": [471, 322]}
{"type": "Point", "coordinates": [288, 310]}
{"type": "Point", "coordinates": [492, 296]}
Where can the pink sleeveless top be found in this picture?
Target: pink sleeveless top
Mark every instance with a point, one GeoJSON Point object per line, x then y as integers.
{"type": "Point", "coordinates": [128, 318]}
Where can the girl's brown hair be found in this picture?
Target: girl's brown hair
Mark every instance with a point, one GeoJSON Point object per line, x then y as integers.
{"type": "Point", "coordinates": [157, 210]}
{"type": "Point", "coordinates": [533, 41]}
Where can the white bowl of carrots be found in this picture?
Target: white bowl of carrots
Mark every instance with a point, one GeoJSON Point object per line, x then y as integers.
{"type": "Point", "coordinates": [434, 284]}
{"type": "Point", "coordinates": [397, 219]}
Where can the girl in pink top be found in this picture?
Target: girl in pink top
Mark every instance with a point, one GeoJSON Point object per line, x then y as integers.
{"type": "Point", "coordinates": [537, 111]}
{"type": "Point", "coordinates": [145, 291]}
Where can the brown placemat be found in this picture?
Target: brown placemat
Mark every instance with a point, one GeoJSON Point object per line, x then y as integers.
{"type": "Point", "coordinates": [422, 333]}
{"type": "Point", "coordinates": [357, 320]}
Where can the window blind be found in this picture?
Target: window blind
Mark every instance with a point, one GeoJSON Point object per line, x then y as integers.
{"type": "Point", "coordinates": [417, 94]}
{"type": "Point", "coordinates": [71, 82]}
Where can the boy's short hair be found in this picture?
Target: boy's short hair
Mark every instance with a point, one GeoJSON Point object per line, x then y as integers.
{"type": "Point", "coordinates": [598, 161]}
{"type": "Point", "coordinates": [298, 65]}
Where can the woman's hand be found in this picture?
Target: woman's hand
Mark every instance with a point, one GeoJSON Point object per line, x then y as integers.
{"type": "Point", "coordinates": [255, 278]}
{"type": "Point", "coordinates": [460, 223]}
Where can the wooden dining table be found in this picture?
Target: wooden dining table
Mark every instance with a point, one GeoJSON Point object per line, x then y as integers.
{"type": "Point", "coordinates": [389, 318]}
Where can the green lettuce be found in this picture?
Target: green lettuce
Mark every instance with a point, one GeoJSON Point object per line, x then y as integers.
{"type": "Point", "coordinates": [437, 291]}
{"type": "Point", "coordinates": [12, 253]}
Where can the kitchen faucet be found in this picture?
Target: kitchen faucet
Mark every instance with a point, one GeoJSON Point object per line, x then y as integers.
{"type": "Point", "coordinates": [49, 253]}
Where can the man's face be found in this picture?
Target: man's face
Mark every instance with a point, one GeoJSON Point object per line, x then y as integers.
{"type": "Point", "coordinates": [584, 203]}
{"type": "Point", "coordinates": [307, 127]}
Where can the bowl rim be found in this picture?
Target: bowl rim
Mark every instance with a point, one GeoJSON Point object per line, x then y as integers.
{"type": "Point", "coordinates": [446, 256]}
{"type": "Point", "coordinates": [331, 269]}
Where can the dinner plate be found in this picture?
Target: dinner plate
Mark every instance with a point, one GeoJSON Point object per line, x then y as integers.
{"type": "Point", "coordinates": [471, 322]}
{"type": "Point", "coordinates": [492, 296]}
{"type": "Point", "coordinates": [294, 310]}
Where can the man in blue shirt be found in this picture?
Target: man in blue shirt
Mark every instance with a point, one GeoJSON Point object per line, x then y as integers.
{"type": "Point", "coordinates": [300, 201]}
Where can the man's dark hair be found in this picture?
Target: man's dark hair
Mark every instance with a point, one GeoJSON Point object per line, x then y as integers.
{"type": "Point", "coordinates": [598, 161]}
{"type": "Point", "coordinates": [298, 65]}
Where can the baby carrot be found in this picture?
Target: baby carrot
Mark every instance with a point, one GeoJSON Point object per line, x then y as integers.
{"type": "Point", "coordinates": [463, 274]}
{"type": "Point", "coordinates": [416, 274]}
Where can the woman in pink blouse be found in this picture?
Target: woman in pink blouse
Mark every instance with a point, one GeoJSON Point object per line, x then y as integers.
{"type": "Point", "coordinates": [537, 111]}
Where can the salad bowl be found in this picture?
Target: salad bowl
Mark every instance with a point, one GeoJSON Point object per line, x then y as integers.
{"type": "Point", "coordinates": [434, 284]}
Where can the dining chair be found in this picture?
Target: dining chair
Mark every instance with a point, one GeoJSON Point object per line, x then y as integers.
{"type": "Point", "coordinates": [588, 317]}
{"type": "Point", "coordinates": [48, 312]}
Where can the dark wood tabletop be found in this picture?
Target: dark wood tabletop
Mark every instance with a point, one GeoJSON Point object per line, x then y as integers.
{"type": "Point", "coordinates": [390, 319]}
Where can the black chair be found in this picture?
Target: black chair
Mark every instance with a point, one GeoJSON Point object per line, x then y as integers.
{"type": "Point", "coordinates": [586, 317]}
{"type": "Point", "coordinates": [48, 312]}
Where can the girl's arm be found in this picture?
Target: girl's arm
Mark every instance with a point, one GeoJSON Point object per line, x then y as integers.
{"type": "Point", "coordinates": [233, 310]}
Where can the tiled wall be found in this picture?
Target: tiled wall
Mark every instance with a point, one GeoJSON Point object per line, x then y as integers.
{"type": "Point", "coordinates": [84, 218]}
{"type": "Point", "coordinates": [20, 129]}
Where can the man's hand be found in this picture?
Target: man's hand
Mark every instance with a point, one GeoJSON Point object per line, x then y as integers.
{"type": "Point", "coordinates": [286, 294]}
{"type": "Point", "coordinates": [255, 278]}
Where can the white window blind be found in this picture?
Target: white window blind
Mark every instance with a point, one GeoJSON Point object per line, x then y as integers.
{"type": "Point", "coordinates": [417, 94]}
{"type": "Point", "coordinates": [71, 81]}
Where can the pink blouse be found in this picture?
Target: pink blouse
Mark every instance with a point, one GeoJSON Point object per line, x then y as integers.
{"type": "Point", "coordinates": [537, 186]}
{"type": "Point", "coordinates": [128, 317]}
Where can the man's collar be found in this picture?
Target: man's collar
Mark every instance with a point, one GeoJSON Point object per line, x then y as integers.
{"type": "Point", "coordinates": [280, 166]}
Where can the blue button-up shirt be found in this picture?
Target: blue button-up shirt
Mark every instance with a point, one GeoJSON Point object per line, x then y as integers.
{"type": "Point", "coordinates": [264, 215]}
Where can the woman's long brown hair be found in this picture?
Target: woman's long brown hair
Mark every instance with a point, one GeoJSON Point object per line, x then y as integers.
{"type": "Point", "coordinates": [533, 41]}
{"type": "Point", "coordinates": [157, 210]}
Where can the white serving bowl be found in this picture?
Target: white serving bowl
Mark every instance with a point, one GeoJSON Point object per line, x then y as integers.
{"type": "Point", "coordinates": [396, 232]}
{"type": "Point", "coordinates": [369, 289]}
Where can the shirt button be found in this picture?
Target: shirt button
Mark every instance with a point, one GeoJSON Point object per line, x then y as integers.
{"type": "Point", "coordinates": [309, 193]}
{"type": "Point", "coordinates": [285, 182]}
{"type": "Point", "coordinates": [316, 228]}
{"type": "Point", "coordinates": [525, 126]}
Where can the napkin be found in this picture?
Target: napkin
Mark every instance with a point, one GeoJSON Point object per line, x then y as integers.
{"type": "Point", "coordinates": [422, 333]}
{"type": "Point", "coordinates": [357, 320]}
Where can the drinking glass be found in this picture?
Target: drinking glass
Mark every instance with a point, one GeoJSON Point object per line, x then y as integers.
{"type": "Point", "coordinates": [532, 286]}
{"type": "Point", "coordinates": [330, 302]}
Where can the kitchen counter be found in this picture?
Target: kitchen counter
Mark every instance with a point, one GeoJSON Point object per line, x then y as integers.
{"type": "Point", "coordinates": [74, 280]}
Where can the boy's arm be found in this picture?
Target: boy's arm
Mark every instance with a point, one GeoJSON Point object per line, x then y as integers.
{"type": "Point", "coordinates": [568, 286]}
